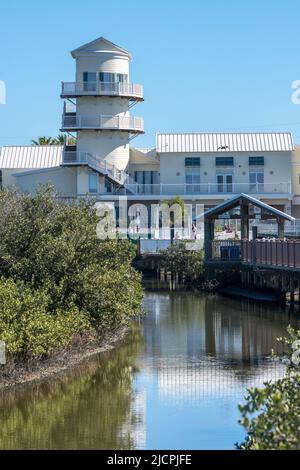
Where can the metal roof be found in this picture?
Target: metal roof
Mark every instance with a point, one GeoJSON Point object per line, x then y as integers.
{"type": "Point", "coordinates": [40, 156]}
{"type": "Point", "coordinates": [235, 201]}
{"type": "Point", "coordinates": [220, 142]}
{"type": "Point", "coordinates": [100, 45]}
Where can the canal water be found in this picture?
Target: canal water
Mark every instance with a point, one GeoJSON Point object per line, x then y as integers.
{"type": "Point", "coordinates": [175, 384]}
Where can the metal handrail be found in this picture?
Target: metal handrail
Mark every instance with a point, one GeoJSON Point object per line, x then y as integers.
{"type": "Point", "coordinates": [96, 163]}
{"type": "Point", "coordinates": [102, 88]}
{"type": "Point", "coordinates": [103, 122]}
{"type": "Point", "coordinates": [210, 188]}
{"type": "Point", "coordinates": [225, 250]}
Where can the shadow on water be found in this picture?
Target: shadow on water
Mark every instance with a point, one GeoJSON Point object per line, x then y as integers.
{"type": "Point", "coordinates": [175, 383]}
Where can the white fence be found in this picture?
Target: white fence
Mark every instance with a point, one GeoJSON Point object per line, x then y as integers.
{"type": "Point", "coordinates": [130, 123]}
{"type": "Point", "coordinates": [132, 90]}
{"type": "Point", "coordinates": [209, 188]}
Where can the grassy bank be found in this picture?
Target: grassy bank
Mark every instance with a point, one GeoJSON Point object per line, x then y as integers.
{"type": "Point", "coordinates": [59, 283]}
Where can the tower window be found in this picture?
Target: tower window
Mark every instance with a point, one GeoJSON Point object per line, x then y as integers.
{"type": "Point", "coordinates": [89, 81]}
{"type": "Point", "coordinates": [89, 76]}
{"type": "Point", "coordinates": [108, 77]}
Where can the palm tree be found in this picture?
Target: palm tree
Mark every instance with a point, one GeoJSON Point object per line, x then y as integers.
{"type": "Point", "coordinates": [44, 141]}
{"type": "Point", "coordinates": [59, 140]}
{"type": "Point", "coordinates": [62, 138]}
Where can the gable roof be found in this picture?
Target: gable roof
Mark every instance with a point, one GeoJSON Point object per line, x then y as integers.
{"type": "Point", "coordinates": [236, 200]}
{"type": "Point", "coordinates": [138, 156]}
{"type": "Point", "coordinates": [228, 142]}
{"type": "Point", "coordinates": [31, 156]}
{"type": "Point", "coordinates": [99, 45]}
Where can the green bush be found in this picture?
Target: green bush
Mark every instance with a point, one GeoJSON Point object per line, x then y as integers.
{"type": "Point", "coordinates": [26, 325]}
{"type": "Point", "coordinates": [271, 415]}
{"type": "Point", "coordinates": [178, 259]}
{"type": "Point", "coordinates": [52, 248]}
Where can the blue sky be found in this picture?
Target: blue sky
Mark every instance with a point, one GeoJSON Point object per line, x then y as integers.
{"type": "Point", "coordinates": [205, 65]}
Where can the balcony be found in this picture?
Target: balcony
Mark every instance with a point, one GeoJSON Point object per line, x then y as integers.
{"type": "Point", "coordinates": [132, 124]}
{"type": "Point", "coordinates": [131, 91]}
{"type": "Point", "coordinates": [282, 189]}
{"type": "Point", "coordinates": [74, 158]}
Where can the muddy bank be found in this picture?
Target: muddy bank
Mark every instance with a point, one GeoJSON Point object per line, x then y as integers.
{"type": "Point", "coordinates": [13, 374]}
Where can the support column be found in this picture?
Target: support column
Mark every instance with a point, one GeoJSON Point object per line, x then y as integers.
{"type": "Point", "coordinates": [208, 236]}
{"type": "Point", "coordinates": [244, 221]}
{"type": "Point", "coordinates": [280, 228]}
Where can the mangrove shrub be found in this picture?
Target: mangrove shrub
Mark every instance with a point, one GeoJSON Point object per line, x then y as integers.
{"type": "Point", "coordinates": [51, 248]}
{"type": "Point", "coordinates": [177, 259]}
{"type": "Point", "coordinates": [271, 414]}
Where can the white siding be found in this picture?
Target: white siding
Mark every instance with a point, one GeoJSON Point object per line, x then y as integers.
{"type": "Point", "coordinates": [63, 179]}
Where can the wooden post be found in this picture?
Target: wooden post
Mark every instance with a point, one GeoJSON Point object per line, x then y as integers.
{"type": "Point", "coordinates": [244, 221]}
{"type": "Point", "coordinates": [292, 291]}
{"type": "Point", "coordinates": [208, 237]}
{"type": "Point", "coordinates": [280, 228]}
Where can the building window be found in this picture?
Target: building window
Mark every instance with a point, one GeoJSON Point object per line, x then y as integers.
{"type": "Point", "coordinates": [108, 186]}
{"type": "Point", "coordinates": [192, 181]}
{"type": "Point", "coordinates": [256, 181]}
{"type": "Point", "coordinates": [225, 183]}
{"type": "Point", "coordinates": [89, 81]}
{"type": "Point", "coordinates": [224, 161]}
{"type": "Point", "coordinates": [192, 161]}
{"type": "Point", "coordinates": [93, 182]}
{"type": "Point", "coordinates": [108, 77]}
{"type": "Point", "coordinates": [256, 161]}
{"type": "Point", "coordinates": [147, 181]}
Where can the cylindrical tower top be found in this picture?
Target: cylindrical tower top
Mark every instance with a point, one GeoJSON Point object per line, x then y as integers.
{"type": "Point", "coordinates": [102, 60]}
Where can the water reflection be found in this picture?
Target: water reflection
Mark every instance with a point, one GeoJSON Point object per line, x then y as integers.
{"type": "Point", "coordinates": [175, 384]}
{"type": "Point", "coordinates": [210, 345]}
{"type": "Point", "coordinates": [91, 408]}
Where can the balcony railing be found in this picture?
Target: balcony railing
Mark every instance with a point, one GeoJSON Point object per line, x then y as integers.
{"type": "Point", "coordinates": [103, 122]}
{"type": "Point", "coordinates": [225, 250]}
{"type": "Point", "coordinates": [100, 165]}
{"type": "Point", "coordinates": [130, 90]}
{"type": "Point", "coordinates": [209, 188]}
{"type": "Point", "coordinates": [283, 253]}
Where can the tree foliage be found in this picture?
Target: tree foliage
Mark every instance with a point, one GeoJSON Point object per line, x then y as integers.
{"type": "Point", "coordinates": [59, 140]}
{"type": "Point", "coordinates": [49, 250]}
{"type": "Point", "coordinates": [271, 415]}
{"type": "Point", "coordinates": [177, 258]}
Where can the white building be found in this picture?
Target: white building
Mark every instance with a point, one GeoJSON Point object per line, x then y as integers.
{"type": "Point", "coordinates": [200, 167]}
